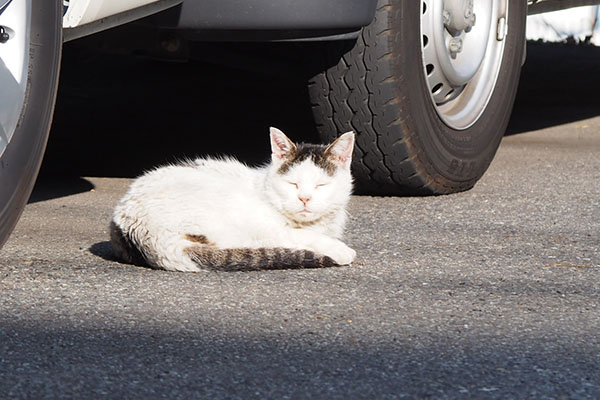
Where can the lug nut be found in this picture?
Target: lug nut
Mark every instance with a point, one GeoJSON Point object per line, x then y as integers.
{"type": "Point", "coordinates": [469, 16]}
{"type": "Point", "coordinates": [469, 9]}
{"type": "Point", "coordinates": [455, 45]}
{"type": "Point", "coordinates": [446, 17]}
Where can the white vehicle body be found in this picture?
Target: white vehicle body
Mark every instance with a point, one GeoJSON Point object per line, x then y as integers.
{"type": "Point", "coordinates": [84, 17]}
{"type": "Point", "coordinates": [82, 12]}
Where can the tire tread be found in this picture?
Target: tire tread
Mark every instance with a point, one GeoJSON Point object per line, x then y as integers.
{"type": "Point", "coordinates": [382, 159]}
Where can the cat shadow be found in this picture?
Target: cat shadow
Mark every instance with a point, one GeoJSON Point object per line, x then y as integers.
{"type": "Point", "coordinates": [104, 251]}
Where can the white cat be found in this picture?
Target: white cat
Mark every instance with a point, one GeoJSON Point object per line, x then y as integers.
{"type": "Point", "coordinates": [221, 214]}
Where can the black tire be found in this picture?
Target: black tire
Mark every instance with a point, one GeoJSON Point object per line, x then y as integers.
{"type": "Point", "coordinates": [20, 162]}
{"type": "Point", "coordinates": [377, 87]}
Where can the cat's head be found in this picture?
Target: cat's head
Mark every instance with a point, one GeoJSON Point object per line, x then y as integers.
{"type": "Point", "coordinates": [308, 181]}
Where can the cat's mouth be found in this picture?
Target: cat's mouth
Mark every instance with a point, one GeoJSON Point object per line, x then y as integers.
{"type": "Point", "coordinates": [305, 213]}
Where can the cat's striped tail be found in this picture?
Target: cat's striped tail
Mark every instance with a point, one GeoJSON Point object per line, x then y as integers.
{"type": "Point", "coordinates": [249, 259]}
{"type": "Point", "coordinates": [199, 252]}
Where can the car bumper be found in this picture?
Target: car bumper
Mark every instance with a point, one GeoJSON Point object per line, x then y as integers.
{"type": "Point", "coordinates": [270, 19]}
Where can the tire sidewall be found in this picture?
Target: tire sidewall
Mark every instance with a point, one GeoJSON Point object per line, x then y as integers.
{"type": "Point", "coordinates": [456, 158]}
{"type": "Point", "coordinates": [21, 159]}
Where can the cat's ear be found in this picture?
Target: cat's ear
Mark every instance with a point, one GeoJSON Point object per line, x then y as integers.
{"type": "Point", "coordinates": [281, 145]}
{"type": "Point", "coordinates": [340, 151]}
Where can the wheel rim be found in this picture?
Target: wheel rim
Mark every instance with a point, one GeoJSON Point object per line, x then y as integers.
{"type": "Point", "coordinates": [15, 20]}
{"type": "Point", "coordinates": [462, 46]}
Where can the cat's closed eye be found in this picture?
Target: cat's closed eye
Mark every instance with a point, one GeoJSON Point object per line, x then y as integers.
{"type": "Point", "coordinates": [294, 184]}
{"type": "Point", "coordinates": [319, 185]}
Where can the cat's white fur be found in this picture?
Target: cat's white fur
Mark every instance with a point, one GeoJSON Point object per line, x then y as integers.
{"type": "Point", "coordinates": [235, 206]}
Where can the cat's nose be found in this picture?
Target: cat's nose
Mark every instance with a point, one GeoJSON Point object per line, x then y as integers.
{"type": "Point", "coordinates": [304, 199]}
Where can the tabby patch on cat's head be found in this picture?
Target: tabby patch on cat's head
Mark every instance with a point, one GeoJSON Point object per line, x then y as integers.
{"type": "Point", "coordinates": [286, 154]}
{"type": "Point", "coordinates": [314, 152]}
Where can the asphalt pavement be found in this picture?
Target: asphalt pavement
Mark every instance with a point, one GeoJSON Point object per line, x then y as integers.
{"type": "Point", "coordinates": [491, 293]}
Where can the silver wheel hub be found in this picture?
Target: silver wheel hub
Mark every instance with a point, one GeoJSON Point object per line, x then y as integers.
{"type": "Point", "coordinates": [462, 46]}
{"type": "Point", "coordinates": [14, 63]}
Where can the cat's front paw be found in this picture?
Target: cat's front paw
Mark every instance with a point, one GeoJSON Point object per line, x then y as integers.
{"type": "Point", "coordinates": [341, 254]}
